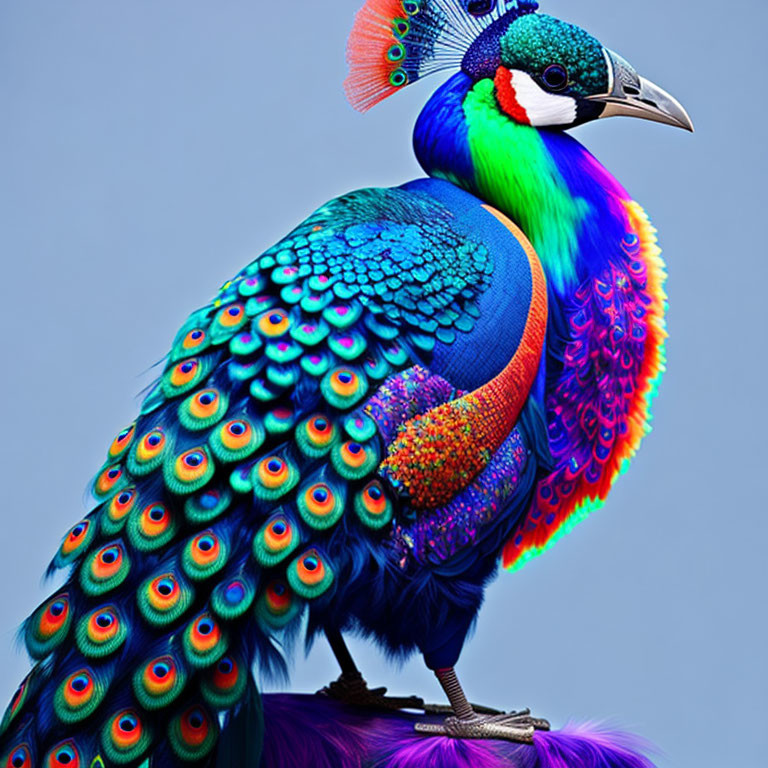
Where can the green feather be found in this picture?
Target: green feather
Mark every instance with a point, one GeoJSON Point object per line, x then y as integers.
{"type": "Point", "coordinates": [185, 749]}
{"type": "Point", "coordinates": [152, 696]}
{"type": "Point", "coordinates": [245, 344]}
{"type": "Point", "coordinates": [118, 753]}
{"type": "Point", "coordinates": [97, 577]}
{"type": "Point", "coordinates": [223, 685]}
{"type": "Point", "coordinates": [309, 590]}
{"type": "Point", "coordinates": [194, 421]}
{"type": "Point", "coordinates": [233, 598]}
{"type": "Point", "coordinates": [208, 505]}
{"type": "Point", "coordinates": [203, 649]}
{"type": "Point", "coordinates": [225, 445]}
{"type": "Point", "coordinates": [70, 705]}
{"type": "Point", "coordinates": [204, 556]}
{"type": "Point", "coordinates": [94, 643]}
{"type": "Point", "coordinates": [271, 551]}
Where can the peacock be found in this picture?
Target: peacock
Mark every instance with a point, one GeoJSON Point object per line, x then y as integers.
{"type": "Point", "coordinates": [415, 387]}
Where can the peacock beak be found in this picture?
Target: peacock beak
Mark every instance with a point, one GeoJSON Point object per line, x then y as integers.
{"type": "Point", "coordinates": [634, 96]}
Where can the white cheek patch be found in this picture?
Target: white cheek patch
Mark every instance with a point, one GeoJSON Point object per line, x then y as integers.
{"type": "Point", "coordinates": [542, 108]}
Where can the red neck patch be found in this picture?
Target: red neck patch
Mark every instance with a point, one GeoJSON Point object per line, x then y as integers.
{"type": "Point", "coordinates": [507, 96]}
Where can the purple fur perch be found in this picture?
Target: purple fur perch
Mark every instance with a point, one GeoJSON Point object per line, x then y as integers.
{"type": "Point", "coordinates": [313, 732]}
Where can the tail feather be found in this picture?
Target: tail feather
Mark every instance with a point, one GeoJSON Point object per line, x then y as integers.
{"type": "Point", "coordinates": [209, 535]}
{"type": "Point", "coordinates": [248, 490]}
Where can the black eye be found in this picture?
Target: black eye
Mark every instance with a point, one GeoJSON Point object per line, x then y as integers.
{"type": "Point", "coordinates": [555, 77]}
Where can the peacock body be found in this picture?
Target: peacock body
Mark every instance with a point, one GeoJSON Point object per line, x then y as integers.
{"type": "Point", "coordinates": [414, 385]}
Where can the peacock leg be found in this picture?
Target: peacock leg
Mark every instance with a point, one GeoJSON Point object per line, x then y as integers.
{"type": "Point", "coordinates": [351, 687]}
{"type": "Point", "coordinates": [467, 723]}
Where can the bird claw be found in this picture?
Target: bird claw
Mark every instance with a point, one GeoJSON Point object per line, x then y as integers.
{"type": "Point", "coordinates": [517, 727]}
{"type": "Point", "coordinates": [446, 709]}
{"type": "Point", "coordinates": [354, 691]}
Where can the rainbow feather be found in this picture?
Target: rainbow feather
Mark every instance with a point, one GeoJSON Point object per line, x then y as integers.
{"type": "Point", "coordinates": [396, 42]}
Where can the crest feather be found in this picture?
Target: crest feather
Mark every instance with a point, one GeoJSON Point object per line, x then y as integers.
{"type": "Point", "coordinates": [396, 42]}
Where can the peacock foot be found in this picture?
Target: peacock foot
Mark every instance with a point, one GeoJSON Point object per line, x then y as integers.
{"type": "Point", "coordinates": [353, 690]}
{"type": "Point", "coordinates": [518, 727]}
{"type": "Point", "coordinates": [446, 709]}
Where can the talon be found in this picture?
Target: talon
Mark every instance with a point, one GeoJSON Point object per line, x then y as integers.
{"type": "Point", "coordinates": [445, 709]}
{"type": "Point", "coordinates": [524, 718]}
{"type": "Point", "coordinates": [540, 724]}
{"type": "Point", "coordinates": [353, 691]}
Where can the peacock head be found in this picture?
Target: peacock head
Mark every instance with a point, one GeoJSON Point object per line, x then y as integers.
{"type": "Point", "coordinates": [542, 71]}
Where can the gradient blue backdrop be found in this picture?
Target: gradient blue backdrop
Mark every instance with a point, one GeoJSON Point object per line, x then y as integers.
{"type": "Point", "coordinates": [149, 149]}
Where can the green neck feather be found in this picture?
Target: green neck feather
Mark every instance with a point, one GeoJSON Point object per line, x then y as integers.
{"type": "Point", "coordinates": [464, 138]}
{"type": "Point", "coordinates": [515, 173]}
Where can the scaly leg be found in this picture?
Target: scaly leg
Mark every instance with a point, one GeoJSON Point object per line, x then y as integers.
{"type": "Point", "coordinates": [467, 723]}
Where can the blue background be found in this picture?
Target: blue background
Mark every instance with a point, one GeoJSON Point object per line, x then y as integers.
{"type": "Point", "coordinates": [149, 149]}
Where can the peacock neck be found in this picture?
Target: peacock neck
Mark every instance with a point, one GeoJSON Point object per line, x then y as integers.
{"type": "Point", "coordinates": [567, 204]}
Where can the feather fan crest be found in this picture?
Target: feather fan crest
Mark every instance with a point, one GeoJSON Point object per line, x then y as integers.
{"type": "Point", "coordinates": [396, 42]}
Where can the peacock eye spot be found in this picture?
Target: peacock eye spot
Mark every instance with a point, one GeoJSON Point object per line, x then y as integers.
{"type": "Point", "coordinates": [196, 720]}
{"type": "Point", "coordinates": [104, 620]}
{"type": "Point", "coordinates": [555, 77]}
{"type": "Point", "coordinates": [194, 460]}
{"type": "Point", "coordinates": [225, 666]}
{"type": "Point", "coordinates": [205, 627]}
{"type": "Point", "coordinates": [209, 500]}
{"type": "Point", "coordinates": [481, 7]}
{"type": "Point", "coordinates": [127, 724]}
{"type": "Point", "coordinates": [161, 670]}
{"type": "Point", "coordinates": [109, 557]}
{"type": "Point", "coordinates": [235, 593]}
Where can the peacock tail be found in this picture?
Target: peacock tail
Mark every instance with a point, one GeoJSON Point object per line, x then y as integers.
{"type": "Point", "coordinates": [249, 487]}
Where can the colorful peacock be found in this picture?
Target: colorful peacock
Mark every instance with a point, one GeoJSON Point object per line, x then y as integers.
{"type": "Point", "coordinates": [414, 386]}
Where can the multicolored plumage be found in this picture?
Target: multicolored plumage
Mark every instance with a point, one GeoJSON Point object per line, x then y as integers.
{"type": "Point", "coordinates": [414, 384]}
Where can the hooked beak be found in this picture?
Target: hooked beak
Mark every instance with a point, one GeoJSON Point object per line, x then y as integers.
{"type": "Point", "coordinates": [634, 96]}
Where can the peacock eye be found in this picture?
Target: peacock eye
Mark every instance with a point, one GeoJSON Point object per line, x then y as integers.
{"type": "Point", "coordinates": [481, 7]}
{"type": "Point", "coordinates": [555, 77]}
